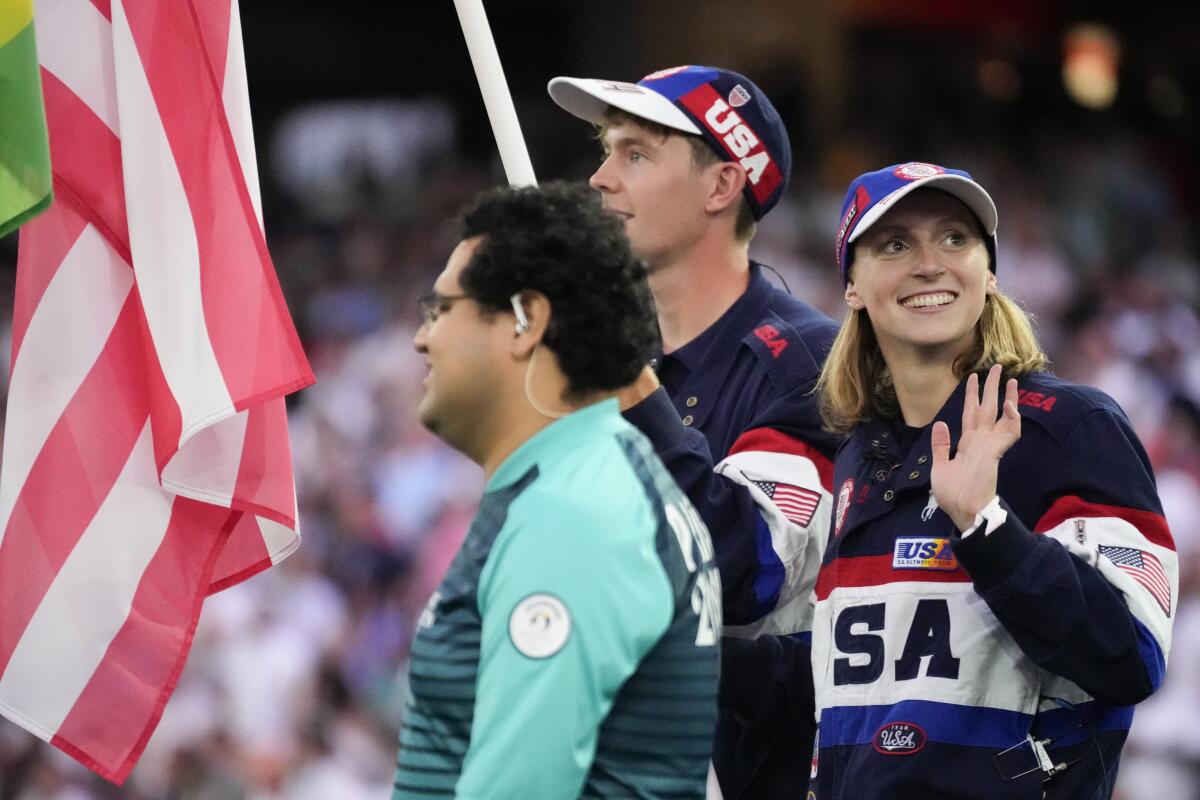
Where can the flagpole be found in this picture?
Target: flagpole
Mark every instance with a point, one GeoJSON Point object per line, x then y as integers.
{"type": "Point", "coordinates": [496, 97]}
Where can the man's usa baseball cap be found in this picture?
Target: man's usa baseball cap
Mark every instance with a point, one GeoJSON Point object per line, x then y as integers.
{"type": "Point", "coordinates": [871, 195]}
{"type": "Point", "coordinates": [726, 109]}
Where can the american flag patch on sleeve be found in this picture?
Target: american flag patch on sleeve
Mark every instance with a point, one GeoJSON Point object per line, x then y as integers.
{"type": "Point", "coordinates": [797, 503]}
{"type": "Point", "coordinates": [1144, 568]}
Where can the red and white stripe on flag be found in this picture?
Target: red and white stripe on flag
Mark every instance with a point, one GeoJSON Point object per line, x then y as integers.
{"type": "Point", "coordinates": [146, 459]}
{"type": "Point", "coordinates": [796, 502]}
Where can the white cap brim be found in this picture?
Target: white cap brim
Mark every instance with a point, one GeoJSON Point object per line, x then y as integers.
{"type": "Point", "coordinates": [588, 98]}
{"type": "Point", "coordinates": [966, 190]}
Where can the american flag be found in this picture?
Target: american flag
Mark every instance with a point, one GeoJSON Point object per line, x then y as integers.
{"type": "Point", "coordinates": [797, 503]}
{"type": "Point", "coordinates": [1144, 568]}
{"type": "Point", "coordinates": [146, 457]}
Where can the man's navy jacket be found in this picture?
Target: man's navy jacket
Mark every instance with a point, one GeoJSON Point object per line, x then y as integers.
{"type": "Point", "coordinates": [737, 424]}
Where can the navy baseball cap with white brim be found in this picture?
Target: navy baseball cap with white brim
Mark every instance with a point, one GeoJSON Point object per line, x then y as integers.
{"type": "Point", "coordinates": [725, 109]}
{"type": "Point", "coordinates": [873, 194]}
{"type": "Point", "coordinates": [589, 98]}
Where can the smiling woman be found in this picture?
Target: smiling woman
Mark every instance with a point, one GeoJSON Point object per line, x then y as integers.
{"type": "Point", "coordinates": [919, 265]}
{"type": "Point", "coordinates": [924, 276]}
{"type": "Point", "coordinates": [1000, 610]}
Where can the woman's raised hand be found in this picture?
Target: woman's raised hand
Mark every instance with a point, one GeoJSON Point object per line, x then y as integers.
{"type": "Point", "coordinates": [963, 485]}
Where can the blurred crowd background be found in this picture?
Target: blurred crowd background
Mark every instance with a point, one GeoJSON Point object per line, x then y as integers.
{"type": "Point", "coordinates": [1084, 124]}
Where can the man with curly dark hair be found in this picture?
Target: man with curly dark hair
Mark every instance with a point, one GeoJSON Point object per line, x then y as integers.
{"type": "Point", "coordinates": [555, 243]}
{"type": "Point", "coordinates": [586, 581]}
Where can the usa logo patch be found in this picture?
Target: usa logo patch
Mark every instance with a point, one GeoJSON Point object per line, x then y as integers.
{"type": "Point", "coordinates": [924, 552]}
{"type": "Point", "coordinates": [899, 739]}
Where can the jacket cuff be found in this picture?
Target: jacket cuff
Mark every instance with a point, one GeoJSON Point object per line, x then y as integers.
{"type": "Point", "coordinates": [657, 418]}
{"type": "Point", "coordinates": [992, 559]}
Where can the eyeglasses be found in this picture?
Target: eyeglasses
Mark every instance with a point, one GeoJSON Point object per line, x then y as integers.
{"type": "Point", "coordinates": [433, 305]}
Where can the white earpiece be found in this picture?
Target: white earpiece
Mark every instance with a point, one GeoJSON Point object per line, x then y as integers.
{"type": "Point", "coordinates": [519, 311]}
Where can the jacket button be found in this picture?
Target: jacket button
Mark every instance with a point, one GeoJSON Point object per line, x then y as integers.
{"type": "Point", "coordinates": [691, 401]}
{"type": "Point", "coordinates": [888, 495]}
{"type": "Point", "coordinates": [687, 420]}
{"type": "Point", "coordinates": [922, 459]}
{"type": "Point", "coordinates": [912, 476]}
{"type": "Point", "coordinates": [880, 475]}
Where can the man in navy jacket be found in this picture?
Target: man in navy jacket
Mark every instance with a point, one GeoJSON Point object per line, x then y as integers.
{"type": "Point", "coordinates": [693, 158]}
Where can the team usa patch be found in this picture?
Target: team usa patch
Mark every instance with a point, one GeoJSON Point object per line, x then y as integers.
{"type": "Point", "coordinates": [899, 739]}
{"type": "Point", "coordinates": [924, 552]}
{"type": "Point", "coordinates": [739, 96]}
{"type": "Point", "coordinates": [915, 171]}
{"type": "Point", "coordinates": [843, 503]}
{"type": "Point", "coordinates": [539, 626]}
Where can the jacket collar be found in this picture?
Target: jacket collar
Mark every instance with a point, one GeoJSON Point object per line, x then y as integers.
{"type": "Point", "coordinates": [880, 463]}
{"type": "Point", "coordinates": [722, 339]}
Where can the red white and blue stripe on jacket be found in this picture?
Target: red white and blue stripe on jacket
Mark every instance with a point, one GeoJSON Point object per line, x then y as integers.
{"type": "Point", "coordinates": [743, 391]}
{"type": "Point", "coordinates": [933, 654]}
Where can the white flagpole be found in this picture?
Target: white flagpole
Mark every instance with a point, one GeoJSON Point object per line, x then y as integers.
{"type": "Point", "coordinates": [496, 97]}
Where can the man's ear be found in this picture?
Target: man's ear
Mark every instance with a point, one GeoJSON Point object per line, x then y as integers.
{"type": "Point", "coordinates": [530, 323]}
{"type": "Point", "coordinates": [726, 190]}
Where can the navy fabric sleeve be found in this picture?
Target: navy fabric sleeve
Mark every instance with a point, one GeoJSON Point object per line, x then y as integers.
{"type": "Point", "coordinates": [751, 575]}
{"type": "Point", "coordinates": [767, 717]}
{"type": "Point", "coordinates": [765, 733]}
{"type": "Point", "coordinates": [775, 676]}
{"type": "Point", "coordinates": [728, 509]}
{"type": "Point", "coordinates": [1067, 593]}
{"type": "Point", "coordinates": [1061, 611]}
